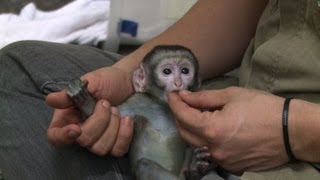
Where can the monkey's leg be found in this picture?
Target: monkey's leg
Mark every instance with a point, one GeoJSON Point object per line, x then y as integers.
{"type": "Point", "coordinates": [150, 170]}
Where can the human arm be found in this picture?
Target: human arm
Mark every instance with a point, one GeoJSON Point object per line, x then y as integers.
{"type": "Point", "coordinates": [243, 128]}
{"type": "Point", "coordinates": [216, 31]}
{"type": "Point", "coordinates": [304, 125]}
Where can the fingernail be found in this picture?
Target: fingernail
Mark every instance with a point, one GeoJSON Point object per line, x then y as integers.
{"type": "Point", "coordinates": [72, 134]}
{"type": "Point", "coordinates": [105, 104]}
{"type": "Point", "coordinates": [114, 111]}
{"type": "Point", "coordinates": [185, 92]}
{"type": "Point", "coordinates": [126, 121]}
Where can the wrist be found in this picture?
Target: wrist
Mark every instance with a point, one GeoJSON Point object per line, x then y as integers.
{"type": "Point", "coordinates": [127, 80]}
{"type": "Point", "coordinates": [304, 130]}
{"type": "Point", "coordinates": [131, 62]}
{"type": "Point", "coordinates": [285, 130]}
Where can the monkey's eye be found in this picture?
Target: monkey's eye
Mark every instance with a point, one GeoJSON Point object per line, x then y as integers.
{"type": "Point", "coordinates": [185, 71]}
{"type": "Point", "coordinates": [167, 71]}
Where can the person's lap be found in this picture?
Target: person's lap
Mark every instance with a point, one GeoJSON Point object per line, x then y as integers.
{"type": "Point", "coordinates": [28, 72]}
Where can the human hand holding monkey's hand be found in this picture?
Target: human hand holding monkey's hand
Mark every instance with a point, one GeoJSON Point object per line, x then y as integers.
{"type": "Point", "coordinates": [242, 128]}
{"type": "Point", "coordinates": [105, 131]}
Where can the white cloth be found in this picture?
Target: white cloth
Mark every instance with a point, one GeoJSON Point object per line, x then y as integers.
{"type": "Point", "coordinates": [80, 22]}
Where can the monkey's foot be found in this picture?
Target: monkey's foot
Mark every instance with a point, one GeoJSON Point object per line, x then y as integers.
{"type": "Point", "coordinates": [77, 91]}
{"type": "Point", "coordinates": [203, 160]}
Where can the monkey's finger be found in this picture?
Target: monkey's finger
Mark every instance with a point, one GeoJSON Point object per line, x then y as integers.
{"type": "Point", "coordinates": [63, 136]}
{"type": "Point", "coordinates": [59, 100]}
{"type": "Point", "coordinates": [107, 140]}
{"type": "Point", "coordinates": [208, 99]}
{"type": "Point", "coordinates": [201, 149]}
{"type": "Point", "coordinates": [124, 137]}
{"type": "Point", "coordinates": [96, 124]}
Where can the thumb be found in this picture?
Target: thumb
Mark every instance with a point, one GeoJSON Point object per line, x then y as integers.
{"type": "Point", "coordinates": [207, 99]}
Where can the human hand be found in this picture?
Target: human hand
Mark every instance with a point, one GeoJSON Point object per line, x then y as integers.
{"type": "Point", "coordinates": [242, 128]}
{"type": "Point", "coordinates": [105, 131]}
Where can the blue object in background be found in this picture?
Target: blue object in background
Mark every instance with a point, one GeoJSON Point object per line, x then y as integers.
{"type": "Point", "coordinates": [129, 27]}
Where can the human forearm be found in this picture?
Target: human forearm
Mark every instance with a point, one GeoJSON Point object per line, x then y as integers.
{"type": "Point", "coordinates": [217, 31]}
{"type": "Point", "coordinates": [304, 130]}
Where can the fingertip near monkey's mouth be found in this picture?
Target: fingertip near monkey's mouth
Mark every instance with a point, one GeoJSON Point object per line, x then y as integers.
{"type": "Point", "coordinates": [176, 89]}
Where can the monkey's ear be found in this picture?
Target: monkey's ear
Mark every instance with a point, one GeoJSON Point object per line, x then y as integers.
{"type": "Point", "coordinates": [139, 79]}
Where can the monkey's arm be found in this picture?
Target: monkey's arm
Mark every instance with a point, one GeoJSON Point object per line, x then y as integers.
{"type": "Point", "coordinates": [217, 31]}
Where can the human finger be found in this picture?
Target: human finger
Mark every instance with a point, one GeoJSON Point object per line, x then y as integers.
{"type": "Point", "coordinates": [209, 99]}
{"type": "Point", "coordinates": [59, 100]}
{"type": "Point", "coordinates": [186, 116]}
{"type": "Point", "coordinates": [64, 128]}
{"type": "Point", "coordinates": [60, 136]}
{"type": "Point", "coordinates": [107, 140]}
{"type": "Point", "coordinates": [95, 125]}
{"type": "Point", "coordinates": [191, 138]}
{"type": "Point", "coordinates": [124, 137]}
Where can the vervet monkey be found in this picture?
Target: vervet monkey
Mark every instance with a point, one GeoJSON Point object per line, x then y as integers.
{"type": "Point", "coordinates": [165, 69]}
{"type": "Point", "coordinates": [157, 151]}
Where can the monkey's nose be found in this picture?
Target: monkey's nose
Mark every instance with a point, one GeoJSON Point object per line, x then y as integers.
{"type": "Point", "coordinates": [178, 84]}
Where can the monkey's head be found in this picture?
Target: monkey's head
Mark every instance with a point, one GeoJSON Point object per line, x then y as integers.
{"type": "Point", "coordinates": [167, 68]}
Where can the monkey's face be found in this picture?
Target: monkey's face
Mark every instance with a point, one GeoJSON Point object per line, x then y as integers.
{"type": "Point", "coordinates": [175, 74]}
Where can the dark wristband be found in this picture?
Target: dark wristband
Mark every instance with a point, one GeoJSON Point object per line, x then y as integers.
{"type": "Point", "coordinates": [285, 115]}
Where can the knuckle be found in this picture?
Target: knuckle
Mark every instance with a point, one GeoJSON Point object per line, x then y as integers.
{"type": "Point", "coordinates": [182, 133]}
{"type": "Point", "coordinates": [118, 152]}
{"type": "Point", "coordinates": [219, 156]}
{"type": "Point", "coordinates": [125, 133]}
{"type": "Point", "coordinates": [52, 138]}
{"type": "Point", "coordinates": [202, 94]}
{"type": "Point", "coordinates": [124, 136]}
{"type": "Point", "coordinates": [100, 150]}
{"type": "Point", "coordinates": [209, 130]}
{"type": "Point", "coordinates": [86, 141]}
{"type": "Point", "coordinates": [232, 90]}
{"type": "Point", "coordinates": [209, 133]}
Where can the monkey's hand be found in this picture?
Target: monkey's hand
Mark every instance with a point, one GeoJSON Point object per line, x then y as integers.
{"type": "Point", "coordinates": [105, 131]}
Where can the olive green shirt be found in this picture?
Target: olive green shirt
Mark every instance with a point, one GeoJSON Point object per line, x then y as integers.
{"type": "Point", "coordinates": [284, 56]}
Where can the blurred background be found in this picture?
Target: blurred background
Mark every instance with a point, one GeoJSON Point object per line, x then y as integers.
{"type": "Point", "coordinates": [14, 6]}
{"type": "Point", "coordinates": [113, 25]}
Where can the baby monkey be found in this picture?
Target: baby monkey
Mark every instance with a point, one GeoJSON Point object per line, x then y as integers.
{"type": "Point", "coordinates": [157, 150]}
{"type": "Point", "coordinates": [167, 68]}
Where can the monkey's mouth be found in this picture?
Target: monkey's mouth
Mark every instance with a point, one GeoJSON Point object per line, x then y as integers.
{"type": "Point", "coordinates": [176, 89]}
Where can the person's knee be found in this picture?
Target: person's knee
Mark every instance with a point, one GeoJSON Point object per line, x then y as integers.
{"type": "Point", "coordinates": [19, 46]}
